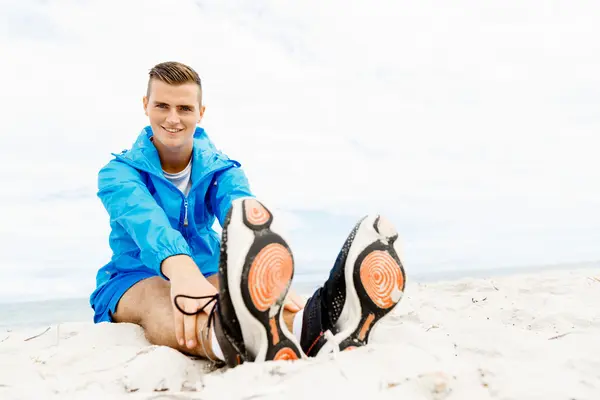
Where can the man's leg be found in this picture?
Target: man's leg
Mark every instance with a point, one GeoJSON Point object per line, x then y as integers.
{"type": "Point", "coordinates": [148, 304]}
{"type": "Point", "coordinates": [253, 267]}
{"type": "Point", "coordinates": [288, 318]}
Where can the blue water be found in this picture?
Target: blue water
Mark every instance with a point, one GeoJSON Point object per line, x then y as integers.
{"type": "Point", "coordinates": [45, 313]}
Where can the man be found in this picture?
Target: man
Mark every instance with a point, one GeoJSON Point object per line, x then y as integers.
{"type": "Point", "coordinates": [227, 299]}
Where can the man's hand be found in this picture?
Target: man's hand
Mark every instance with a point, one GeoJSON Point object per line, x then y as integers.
{"type": "Point", "coordinates": [186, 279]}
{"type": "Point", "coordinates": [293, 302]}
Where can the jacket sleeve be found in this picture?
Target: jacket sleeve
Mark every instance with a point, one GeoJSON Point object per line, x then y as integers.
{"type": "Point", "coordinates": [130, 204]}
{"type": "Point", "coordinates": [227, 186]}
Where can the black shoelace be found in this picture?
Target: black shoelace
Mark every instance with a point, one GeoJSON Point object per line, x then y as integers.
{"type": "Point", "coordinates": [214, 298]}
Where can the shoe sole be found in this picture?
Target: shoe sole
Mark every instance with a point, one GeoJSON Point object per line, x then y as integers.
{"type": "Point", "coordinates": [375, 280]}
{"type": "Point", "coordinates": [260, 269]}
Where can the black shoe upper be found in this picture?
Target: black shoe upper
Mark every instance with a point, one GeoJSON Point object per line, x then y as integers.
{"type": "Point", "coordinates": [325, 306]}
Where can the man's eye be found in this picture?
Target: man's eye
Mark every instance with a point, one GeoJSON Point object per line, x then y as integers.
{"type": "Point", "coordinates": [186, 109]}
{"type": "Point", "coordinates": [161, 105]}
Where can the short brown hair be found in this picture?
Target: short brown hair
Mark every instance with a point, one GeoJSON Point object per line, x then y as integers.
{"type": "Point", "coordinates": [175, 73]}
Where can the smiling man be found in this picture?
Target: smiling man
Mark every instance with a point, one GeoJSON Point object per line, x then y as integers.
{"type": "Point", "coordinates": [225, 298]}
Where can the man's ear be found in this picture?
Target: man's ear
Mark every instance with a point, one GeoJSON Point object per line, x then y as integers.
{"type": "Point", "coordinates": [202, 109]}
{"type": "Point", "coordinates": [145, 100]}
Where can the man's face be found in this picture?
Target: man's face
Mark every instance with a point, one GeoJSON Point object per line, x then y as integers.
{"type": "Point", "coordinates": [174, 112]}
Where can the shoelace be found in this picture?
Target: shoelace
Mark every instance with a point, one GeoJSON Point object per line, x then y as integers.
{"type": "Point", "coordinates": [214, 298]}
{"type": "Point", "coordinates": [331, 342]}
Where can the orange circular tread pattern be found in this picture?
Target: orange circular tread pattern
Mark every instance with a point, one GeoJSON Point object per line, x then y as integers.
{"type": "Point", "coordinates": [256, 213]}
{"type": "Point", "coordinates": [381, 277]}
{"type": "Point", "coordinates": [285, 354]}
{"type": "Point", "coordinates": [269, 275]}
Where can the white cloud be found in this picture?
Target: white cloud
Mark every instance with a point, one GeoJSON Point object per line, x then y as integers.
{"type": "Point", "coordinates": [473, 125]}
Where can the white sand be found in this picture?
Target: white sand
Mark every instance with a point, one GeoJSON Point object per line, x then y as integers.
{"type": "Point", "coordinates": [532, 336]}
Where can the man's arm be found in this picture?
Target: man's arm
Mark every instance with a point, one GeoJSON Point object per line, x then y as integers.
{"type": "Point", "coordinates": [130, 204]}
{"type": "Point", "coordinates": [227, 186]}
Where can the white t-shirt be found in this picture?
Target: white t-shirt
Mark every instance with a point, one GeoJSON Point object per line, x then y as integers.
{"type": "Point", "coordinates": [181, 179]}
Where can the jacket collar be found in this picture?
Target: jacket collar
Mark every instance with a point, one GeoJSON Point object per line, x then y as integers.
{"type": "Point", "coordinates": [205, 157]}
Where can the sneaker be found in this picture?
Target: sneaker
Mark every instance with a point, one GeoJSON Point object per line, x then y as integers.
{"type": "Point", "coordinates": [255, 273]}
{"type": "Point", "coordinates": [365, 284]}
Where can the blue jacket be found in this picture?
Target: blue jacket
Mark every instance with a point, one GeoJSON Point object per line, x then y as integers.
{"type": "Point", "coordinates": [148, 213]}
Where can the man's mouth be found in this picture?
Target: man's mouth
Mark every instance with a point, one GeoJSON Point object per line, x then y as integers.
{"type": "Point", "coordinates": [172, 130]}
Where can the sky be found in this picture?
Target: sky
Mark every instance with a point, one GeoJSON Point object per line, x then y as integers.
{"type": "Point", "coordinates": [472, 126]}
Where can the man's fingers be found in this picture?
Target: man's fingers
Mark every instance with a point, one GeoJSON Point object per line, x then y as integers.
{"type": "Point", "coordinates": [299, 300]}
{"type": "Point", "coordinates": [291, 306]}
{"type": "Point", "coordinates": [185, 325]}
{"type": "Point", "coordinates": [178, 321]}
{"type": "Point", "coordinates": [189, 323]}
{"type": "Point", "coordinates": [294, 302]}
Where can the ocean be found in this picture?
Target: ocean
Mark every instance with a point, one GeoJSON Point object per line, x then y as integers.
{"type": "Point", "coordinates": [55, 311]}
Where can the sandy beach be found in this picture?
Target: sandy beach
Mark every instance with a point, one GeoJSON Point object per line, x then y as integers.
{"type": "Point", "coordinates": [529, 336]}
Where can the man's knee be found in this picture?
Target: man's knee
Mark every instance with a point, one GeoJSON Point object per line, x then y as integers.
{"type": "Point", "coordinates": [145, 297]}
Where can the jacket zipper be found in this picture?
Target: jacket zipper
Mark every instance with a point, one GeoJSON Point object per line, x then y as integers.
{"type": "Point", "coordinates": [185, 202]}
{"type": "Point", "coordinates": [185, 218]}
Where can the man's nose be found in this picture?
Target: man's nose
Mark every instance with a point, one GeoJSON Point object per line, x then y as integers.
{"type": "Point", "coordinates": [173, 117]}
